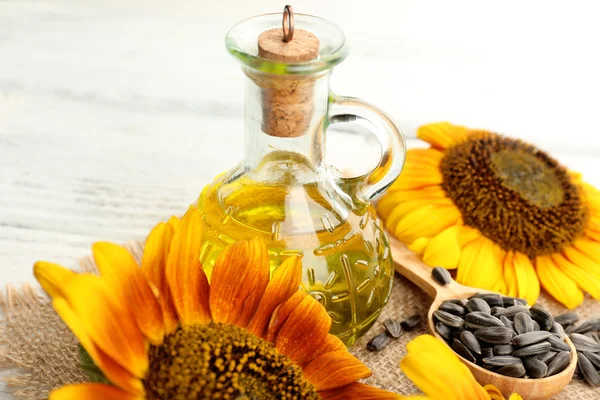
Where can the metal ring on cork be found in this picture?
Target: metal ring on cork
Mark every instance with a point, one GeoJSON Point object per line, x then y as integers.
{"type": "Point", "coordinates": [288, 23]}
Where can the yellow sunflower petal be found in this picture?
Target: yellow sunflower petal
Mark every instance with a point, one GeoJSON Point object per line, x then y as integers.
{"type": "Point", "coordinates": [590, 249]}
{"type": "Point", "coordinates": [586, 281]}
{"type": "Point", "coordinates": [494, 392]}
{"type": "Point", "coordinates": [418, 179]}
{"type": "Point", "coordinates": [481, 264]}
{"type": "Point", "coordinates": [91, 391]}
{"type": "Point", "coordinates": [120, 270]}
{"type": "Point", "coordinates": [52, 277]}
{"type": "Point", "coordinates": [436, 370]}
{"type": "Point", "coordinates": [111, 369]}
{"type": "Point", "coordinates": [424, 156]}
{"type": "Point", "coordinates": [510, 275]}
{"type": "Point", "coordinates": [426, 222]}
{"type": "Point", "coordinates": [593, 235]}
{"type": "Point", "coordinates": [409, 206]}
{"type": "Point", "coordinates": [330, 343]}
{"type": "Point", "coordinates": [284, 283]}
{"type": "Point", "coordinates": [515, 396]}
{"type": "Point", "coordinates": [335, 369]}
{"type": "Point", "coordinates": [238, 282]}
{"type": "Point", "coordinates": [442, 135]}
{"type": "Point", "coordinates": [306, 325]}
{"type": "Point", "coordinates": [444, 249]}
{"type": "Point", "coordinates": [557, 283]}
{"type": "Point", "coordinates": [186, 278]}
{"type": "Point", "coordinates": [419, 245]}
{"type": "Point", "coordinates": [282, 313]}
{"type": "Point", "coordinates": [528, 284]}
{"type": "Point", "coordinates": [391, 199]}
{"type": "Point", "coordinates": [582, 260]}
{"type": "Point", "coordinates": [154, 264]}
{"type": "Point", "coordinates": [360, 391]}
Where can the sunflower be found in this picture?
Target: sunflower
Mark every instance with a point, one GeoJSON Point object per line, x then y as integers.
{"type": "Point", "coordinates": [438, 372]}
{"type": "Point", "coordinates": [506, 215]}
{"type": "Point", "coordinates": [162, 331]}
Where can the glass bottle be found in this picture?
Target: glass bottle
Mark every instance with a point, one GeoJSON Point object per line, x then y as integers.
{"type": "Point", "coordinates": [284, 192]}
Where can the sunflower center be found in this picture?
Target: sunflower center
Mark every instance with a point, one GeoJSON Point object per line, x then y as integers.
{"type": "Point", "coordinates": [219, 361]}
{"type": "Point", "coordinates": [513, 193]}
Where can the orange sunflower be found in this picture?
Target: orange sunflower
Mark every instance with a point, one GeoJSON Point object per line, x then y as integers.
{"type": "Point", "coordinates": [503, 213]}
{"type": "Point", "coordinates": [161, 331]}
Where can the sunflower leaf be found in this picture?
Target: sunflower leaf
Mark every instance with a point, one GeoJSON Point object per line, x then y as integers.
{"type": "Point", "coordinates": [89, 368]}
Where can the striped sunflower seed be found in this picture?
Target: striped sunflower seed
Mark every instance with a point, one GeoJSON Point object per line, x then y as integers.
{"type": "Point", "coordinates": [479, 319]}
{"type": "Point", "coordinates": [501, 361]}
{"type": "Point", "coordinates": [444, 331]}
{"type": "Point", "coordinates": [594, 336]}
{"type": "Point", "coordinates": [507, 323]}
{"type": "Point", "coordinates": [494, 334]}
{"type": "Point", "coordinates": [512, 301]}
{"type": "Point", "coordinates": [411, 322]}
{"type": "Point", "coordinates": [523, 323]}
{"type": "Point", "coordinates": [393, 328]}
{"type": "Point", "coordinates": [558, 330]}
{"type": "Point", "coordinates": [460, 302]}
{"type": "Point", "coordinates": [441, 276]}
{"type": "Point", "coordinates": [543, 317]}
{"type": "Point", "coordinates": [463, 351]}
{"type": "Point", "coordinates": [493, 300]}
{"type": "Point", "coordinates": [594, 358]}
{"type": "Point", "coordinates": [588, 326]}
{"type": "Point", "coordinates": [534, 367]}
{"type": "Point", "coordinates": [559, 363]}
{"type": "Point", "coordinates": [546, 357]}
{"type": "Point", "coordinates": [450, 320]}
{"type": "Point", "coordinates": [513, 370]}
{"type": "Point", "coordinates": [503, 349]}
{"type": "Point", "coordinates": [567, 318]}
{"type": "Point", "coordinates": [586, 368]}
{"type": "Point", "coordinates": [378, 342]}
{"type": "Point", "coordinates": [528, 338]}
{"type": "Point", "coordinates": [584, 343]}
{"type": "Point", "coordinates": [453, 308]}
{"type": "Point", "coordinates": [536, 326]}
{"type": "Point", "coordinates": [470, 341]}
{"type": "Point", "coordinates": [570, 329]}
{"type": "Point", "coordinates": [558, 344]}
{"type": "Point", "coordinates": [511, 311]}
{"type": "Point", "coordinates": [478, 304]}
{"type": "Point", "coordinates": [532, 350]}
{"type": "Point", "coordinates": [487, 352]}
{"type": "Point", "coordinates": [495, 310]}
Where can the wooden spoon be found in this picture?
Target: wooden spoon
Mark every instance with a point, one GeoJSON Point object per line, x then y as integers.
{"type": "Point", "coordinates": [412, 267]}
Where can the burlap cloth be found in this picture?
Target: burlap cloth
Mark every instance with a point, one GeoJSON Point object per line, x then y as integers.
{"type": "Point", "coordinates": [38, 352]}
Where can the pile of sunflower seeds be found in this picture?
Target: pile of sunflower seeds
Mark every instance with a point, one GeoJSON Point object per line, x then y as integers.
{"type": "Point", "coordinates": [586, 339]}
{"type": "Point", "coordinates": [393, 330]}
{"type": "Point", "coordinates": [503, 335]}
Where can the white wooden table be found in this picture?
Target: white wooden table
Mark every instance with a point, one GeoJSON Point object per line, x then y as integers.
{"type": "Point", "coordinates": [114, 114]}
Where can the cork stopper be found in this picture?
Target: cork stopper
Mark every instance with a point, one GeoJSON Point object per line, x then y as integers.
{"type": "Point", "coordinates": [287, 99]}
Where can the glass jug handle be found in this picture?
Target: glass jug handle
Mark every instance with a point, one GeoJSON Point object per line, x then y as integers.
{"type": "Point", "coordinates": [393, 146]}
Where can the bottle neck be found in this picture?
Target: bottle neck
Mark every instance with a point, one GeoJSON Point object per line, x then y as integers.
{"type": "Point", "coordinates": [283, 125]}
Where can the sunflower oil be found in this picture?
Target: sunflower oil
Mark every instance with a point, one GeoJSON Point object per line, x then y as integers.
{"type": "Point", "coordinates": [347, 266]}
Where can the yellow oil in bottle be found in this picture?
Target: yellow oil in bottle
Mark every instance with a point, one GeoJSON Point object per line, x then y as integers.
{"type": "Point", "coordinates": [346, 260]}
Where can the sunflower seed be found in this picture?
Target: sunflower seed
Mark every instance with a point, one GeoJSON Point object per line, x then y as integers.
{"type": "Point", "coordinates": [470, 341]}
{"type": "Point", "coordinates": [393, 328]}
{"type": "Point", "coordinates": [512, 301]}
{"type": "Point", "coordinates": [558, 330]}
{"type": "Point", "coordinates": [493, 300]}
{"type": "Point", "coordinates": [503, 349]}
{"type": "Point", "coordinates": [523, 323]}
{"type": "Point", "coordinates": [494, 334]}
{"type": "Point", "coordinates": [452, 321]}
{"type": "Point", "coordinates": [487, 352]}
{"type": "Point", "coordinates": [534, 367]}
{"type": "Point", "coordinates": [589, 325]}
{"type": "Point", "coordinates": [532, 350]}
{"type": "Point", "coordinates": [584, 343]}
{"type": "Point", "coordinates": [513, 370]}
{"type": "Point", "coordinates": [478, 304]}
{"type": "Point", "coordinates": [594, 358]}
{"type": "Point", "coordinates": [495, 310]}
{"type": "Point", "coordinates": [546, 357]}
{"type": "Point", "coordinates": [453, 308]}
{"type": "Point", "coordinates": [500, 361]}
{"type": "Point", "coordinates": [378, 342]}
{"type": "Point", "coordinates": [411, 322]}
{"type": "Point", "coordinates": [490, 367]}
{"type": "Point", "coordinates": [507, 323]}
{"type": "Point", "coordinates": [444, 331]}
{"type": "Point", "coordinates": [460, 302]}
{"type": "Point", "coordinates": [594, 336]}
{"type": "Point", "coordinates": [536, 326]}
{"type": "Point", "coordinates": [543, 317]}
{"type": "Point", "coordinates": [512, 310]}
{"type": "Point", "coordinates": [559, 362]}
{"type": "Point", "coordinates": [570, 329]}
{"type": "Point", "coordinates": [479, 319]}
{"type": "Point", "coordinates": [441, 276]}
{"type": "Point", "coordinates": [456, 334]}
{"type": "Point", "coordinates": [528, 338]}
{"type": "Point", "coordinates": [586, 368]}
{"type": "Point", "coordinates": [567, 318]}
{"type": "Point", "coordinates": [558, 344]}
{"type": "Point", "coordinates": [462, 351]}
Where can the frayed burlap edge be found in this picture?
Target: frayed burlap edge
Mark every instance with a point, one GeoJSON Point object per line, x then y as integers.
{"type": "Point", "coordinates": [38, 352]}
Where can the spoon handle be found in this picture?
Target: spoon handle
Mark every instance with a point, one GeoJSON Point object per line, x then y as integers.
{"type": "Point", "coordinates": [409, 265]}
